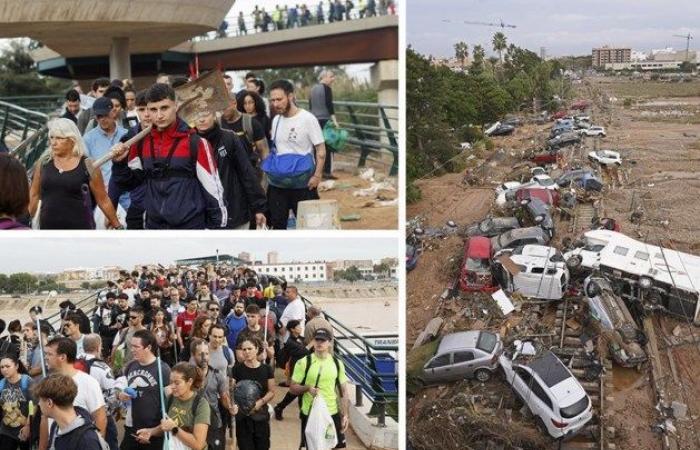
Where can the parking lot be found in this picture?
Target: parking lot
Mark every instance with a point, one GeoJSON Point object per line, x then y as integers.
{"type": "Point", "coordinates": [652, 198]}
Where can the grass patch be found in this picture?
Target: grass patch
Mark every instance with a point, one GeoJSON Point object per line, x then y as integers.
{"type": "Point", "coordinates": [415, 360]}
{"type": "Point", "coordinates": [651, 89]}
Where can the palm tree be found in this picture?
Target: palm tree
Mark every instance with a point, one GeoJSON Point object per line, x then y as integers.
{"type": "Point", "coordinates": [479, 53]}
{"type": "Point", "coordinates": [499, 44]}
{"type": "Point", "coordinates": [461, 52]}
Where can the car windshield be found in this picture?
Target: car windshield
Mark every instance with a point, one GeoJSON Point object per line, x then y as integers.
{"type": "Point", "coordinates": [575, 409]}
{"type": "Point", "coordinates": [476, 265]}
{"type": "Point", "coordinates": [486, 342]}
{"type": "Point", "coordinates": [486, 225]}
{"type": "Point", "coordinates": [545, 181]}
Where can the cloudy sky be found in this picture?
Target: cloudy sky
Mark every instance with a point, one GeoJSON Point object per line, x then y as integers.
{"type": "Point", "coordinates": [56, 254]}
{"type": "Point", "coordinates": [563, 28]}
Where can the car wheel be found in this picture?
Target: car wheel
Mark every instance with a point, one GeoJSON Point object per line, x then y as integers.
{"type": "Point", "coordinates": [482, 375]}
{"type": "Point", "coordinates": [574, 262]}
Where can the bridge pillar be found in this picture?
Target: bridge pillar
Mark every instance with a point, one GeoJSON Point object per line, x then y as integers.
{"type": "Point", "coordinates": [119, 59]}
{"type": "Point", "coordinates": [385, 77]}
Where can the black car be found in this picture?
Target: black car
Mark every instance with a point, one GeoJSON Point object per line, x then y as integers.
{"type": "Point", "coordinates": [503, 130]}
{"type": "Point", "coordinates": [564, 139]}
{"type": "Point", "coordinates": [492, 226]}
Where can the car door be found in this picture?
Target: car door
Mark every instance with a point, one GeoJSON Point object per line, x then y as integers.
{"type": "Point", "coordinates": [530, 391]}
{"type": "Point", "coordinates": [438, 369]}
{"type": "Point", "coordinates": [463, 363]}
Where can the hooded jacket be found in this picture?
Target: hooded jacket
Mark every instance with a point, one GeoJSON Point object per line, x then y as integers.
{"type": "Point", "coordinates": [181, 192]}
{"type": "Point", "coordinates": [242, 189]}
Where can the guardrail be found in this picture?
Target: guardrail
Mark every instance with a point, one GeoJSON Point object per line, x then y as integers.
{"type": "Point", "coordinates": [370, 130]}
{"type": "Point", "coordinates": [45, 104]}
{"type": "Point", "coordinates": [362, 361]}
{"type": "Point", "coordinates": [26, 126]}
{"type": "Point", "coordinates": [87, 304]}
{"type": "Point", "coordinates": [253, 27]}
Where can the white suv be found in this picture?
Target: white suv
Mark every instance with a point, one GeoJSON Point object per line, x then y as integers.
{"type": "Point", "coordinates": [553, 395]}
{"type": "Point", "coordinates": [594, 131]}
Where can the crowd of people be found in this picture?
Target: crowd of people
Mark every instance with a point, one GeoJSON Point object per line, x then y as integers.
{"type": "Point", "coordinates": [187, 356]}
{"type": "Point", "coordinates": [302, 15]}
{"type": "Point", "coordinates": [245, 167]}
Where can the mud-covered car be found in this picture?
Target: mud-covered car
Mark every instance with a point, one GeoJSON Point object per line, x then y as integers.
{"type": "Point", "coordinates": [625, 339]}
{"type": "Point", "coordinates": [519, 236]}
{"type": "Point", "coordinates": [492, 226]}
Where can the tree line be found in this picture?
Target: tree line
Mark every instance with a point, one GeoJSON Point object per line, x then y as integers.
{"type": "Point", "coordinates": [26, 283]}
{"type": "Point", "coordinates": [445, 107]}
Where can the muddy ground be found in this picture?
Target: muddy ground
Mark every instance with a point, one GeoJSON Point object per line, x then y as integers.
{"type": "Point", "coordinates": [657, 135]}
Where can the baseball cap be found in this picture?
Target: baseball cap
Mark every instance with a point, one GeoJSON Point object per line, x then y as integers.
{"type": "Point", "coordinates": [324, 334]}
{"type": "Point", "coordinates": [102, 106]}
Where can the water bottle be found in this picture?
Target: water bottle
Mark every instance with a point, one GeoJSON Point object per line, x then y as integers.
{"type": "Point", "coordinates": [291, 221]}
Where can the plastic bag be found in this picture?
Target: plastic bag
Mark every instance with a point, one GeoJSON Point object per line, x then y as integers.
{"type": "Point", "coordinates": [320, 429]}
{"type": "Point", "coordinates": [245, 394]}
{"type": "Point", "coordinates": [177, 444]}
{"type": "Point", "coordinates": [335, 138]}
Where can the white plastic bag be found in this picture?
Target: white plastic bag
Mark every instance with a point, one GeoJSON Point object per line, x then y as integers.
{"type": "Point", "coordinates": [320, 430]}
{"type": "Point", "coordinates": [177, 444]}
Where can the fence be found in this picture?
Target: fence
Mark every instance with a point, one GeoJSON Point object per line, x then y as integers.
{"type": "Point", "coordinates": [370, 129]}
{"type": "Point", "coordinates": [26, 128]}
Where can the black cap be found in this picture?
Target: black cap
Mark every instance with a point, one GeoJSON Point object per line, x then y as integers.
{"type": "Point", "coordinates": [102, 106]}
{"type": "Point", "coordinates": [66, 304]}
{"type": "Point", "coordinates": [36, 309]}
{"type": "Point", "coordinates": [324, 334]}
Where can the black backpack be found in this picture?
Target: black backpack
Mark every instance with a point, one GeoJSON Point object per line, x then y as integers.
{"type": "Point", "coordinates": [76, 436]}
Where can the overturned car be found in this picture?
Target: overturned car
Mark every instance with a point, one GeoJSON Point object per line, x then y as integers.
{"type": "Point", "coordinates": [624, 338]}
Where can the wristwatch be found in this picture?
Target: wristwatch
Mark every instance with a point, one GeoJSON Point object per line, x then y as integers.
{"type": "Point", "coordinates": [174, 431]}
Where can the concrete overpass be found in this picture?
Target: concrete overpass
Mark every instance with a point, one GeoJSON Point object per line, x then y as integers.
{"type": "Point", "coordinates": [371, 39]}
{"type": "Point", "coordinates": [109, 30]}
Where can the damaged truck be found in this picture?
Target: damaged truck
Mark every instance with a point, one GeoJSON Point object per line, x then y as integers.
{"type": "Point", "coordinates": [656, 277]}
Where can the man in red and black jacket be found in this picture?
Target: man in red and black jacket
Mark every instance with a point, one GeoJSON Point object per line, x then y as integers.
{"type": "Point", "coordinates": [182, 185]}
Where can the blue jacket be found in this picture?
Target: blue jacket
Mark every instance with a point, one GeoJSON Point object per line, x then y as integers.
{"type": "Point", "coordinates": [235, 326]}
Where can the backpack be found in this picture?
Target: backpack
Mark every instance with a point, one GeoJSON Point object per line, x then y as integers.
{"type": "Point", "coordinates": [163, 168]}
{"type": "Point", "coordinates": [227, 354]}
{"type": "Point", "coordinates": [85, 365]}
{"type": "Point", "coordinates": [23, 384]}
{"type": "Point", "coordinates": [337, 371]}
{"type": "Point", "coordinates": [76, 436]}
{"type": "Point", "coordinates": [211, 435]}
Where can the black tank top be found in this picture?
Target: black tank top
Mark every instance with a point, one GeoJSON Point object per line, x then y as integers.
{"type": "Point", "coordinates": [66, 199]}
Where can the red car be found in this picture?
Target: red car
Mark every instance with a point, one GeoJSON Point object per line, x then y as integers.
{"type": "Point", "coordinates": [476, 271]}
{"type": "Point", "coordinates": [544, 158]}
{"type": "Point", "coordinates": [549, 197]}
{"type": "Point", "coordinates": [580, 105]}
{"type": "Point", "coordinates": [557, 115]}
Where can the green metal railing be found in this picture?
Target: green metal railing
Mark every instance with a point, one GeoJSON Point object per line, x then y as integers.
{"type": "Point", "coordinates": [87, 304]}
{"type": "Point", "coordinates": [26, 127]}
{"type": "Point", "coordinates": [46, 104]}
{"type": "Point", "coordinates": [370, 129]}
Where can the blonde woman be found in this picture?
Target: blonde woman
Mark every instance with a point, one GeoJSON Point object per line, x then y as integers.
{"type": "Point", "coordinates": [66, 185]}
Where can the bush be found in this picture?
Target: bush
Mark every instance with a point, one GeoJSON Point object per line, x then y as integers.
{"type": "Point", "coordinates": [627, 102]}
{"type": "Point", "coordinates": [413, 193]}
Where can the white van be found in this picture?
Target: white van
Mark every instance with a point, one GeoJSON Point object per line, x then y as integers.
{"type": "Point", "coordinates": [534, 271]}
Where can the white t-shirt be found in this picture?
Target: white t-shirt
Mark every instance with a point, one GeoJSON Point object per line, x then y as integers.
{"type": "Point", "coordinates": [131, 292]}
{"type": "Point", "coordinates": [295, 310]}
{"type": "Point", "coordinates": [297, 134]}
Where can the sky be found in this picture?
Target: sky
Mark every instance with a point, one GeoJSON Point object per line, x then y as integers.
{"type": "Point", "coordinates": [40, 255]}
{"type": "Point", "coordinates": [563, 28]}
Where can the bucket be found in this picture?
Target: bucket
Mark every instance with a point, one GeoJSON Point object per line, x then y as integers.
{"type": "Point", "coordinates": [318, 215]}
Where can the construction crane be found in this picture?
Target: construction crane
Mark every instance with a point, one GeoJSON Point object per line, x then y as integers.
{"type": "Point", "coordinates": [486, 24]}
{"type": "Point", "coordinates": [687, 38]}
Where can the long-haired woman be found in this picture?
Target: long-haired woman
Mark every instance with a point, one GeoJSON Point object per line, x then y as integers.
{"type": "Point", "coordinates": [14, 403]}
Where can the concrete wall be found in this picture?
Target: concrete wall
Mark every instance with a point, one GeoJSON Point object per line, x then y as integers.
{"type": "Point", "coordinates": [86, 27]}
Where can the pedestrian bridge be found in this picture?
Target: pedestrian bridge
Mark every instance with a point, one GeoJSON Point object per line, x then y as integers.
{"type": "Point", "coordinates": [372, 367]}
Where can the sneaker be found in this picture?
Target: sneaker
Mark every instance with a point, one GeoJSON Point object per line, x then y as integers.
{"type": "Point", "coordinates": [278, 413]}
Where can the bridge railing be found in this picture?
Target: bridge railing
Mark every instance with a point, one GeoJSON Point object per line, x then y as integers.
{"type": "Point", "coordinates": [370, 130]}
{"type": "Point", "coordinates": [364, 361]}
{"type": "Point", "coordinates": [234, 28]}
{"type": "Point", "coordinates": [45, 104]}
{"type": "Point", "coordinates": [26, 127]}
{"type": "Point", "coordinates": [88, 304]}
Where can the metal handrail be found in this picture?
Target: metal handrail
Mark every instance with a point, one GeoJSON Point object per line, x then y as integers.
{"type": "Point", "coordinates": [367, 379]}
{"type": "Point", "coordinates": [55, 319]}
{"type": "Point", "coordinates": [42, 103]}
{"type": "Point", "coordinates": [368, 130]}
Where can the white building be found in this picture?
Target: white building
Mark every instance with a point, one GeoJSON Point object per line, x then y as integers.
{"type": "Point", "coordinates": [304, 271]}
